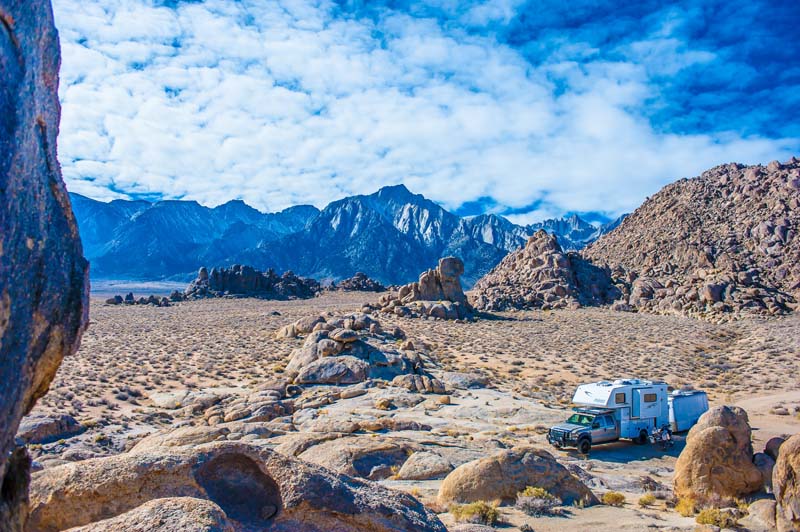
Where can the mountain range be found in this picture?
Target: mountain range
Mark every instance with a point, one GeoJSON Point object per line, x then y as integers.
{"type": "Point", "coordinates": [391, 235]}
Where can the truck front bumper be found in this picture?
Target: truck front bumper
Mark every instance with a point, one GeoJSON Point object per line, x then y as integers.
{"type": "Point", "coordinates": [558, 439]}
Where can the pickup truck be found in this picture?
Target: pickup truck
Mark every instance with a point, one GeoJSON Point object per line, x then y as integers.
{"type": "Point", "coordinates": [586, 427]}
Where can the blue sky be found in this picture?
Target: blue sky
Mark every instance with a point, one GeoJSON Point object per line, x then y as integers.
{"type": "Point", "coordinates": [532, 109]}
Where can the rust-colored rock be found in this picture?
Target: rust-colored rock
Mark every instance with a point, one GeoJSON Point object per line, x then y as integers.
{"type": "Point", "coordinates": [43, 275]}
{"type": "Point", "coordinates": [718, 458]}
{"type": "Point", "coordinates": [786, 485]}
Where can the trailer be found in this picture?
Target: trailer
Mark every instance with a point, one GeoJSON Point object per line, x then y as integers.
{"type": "Point", "coordinates": [625, 408]}
{"type": "Point", "coordinates": [685, 408]}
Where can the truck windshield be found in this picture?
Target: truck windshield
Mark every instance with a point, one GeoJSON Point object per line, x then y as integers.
{"type": "Point", "coordinates": [580, 419]}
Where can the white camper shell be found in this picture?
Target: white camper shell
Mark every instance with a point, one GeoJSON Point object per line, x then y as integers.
{"type": "Point", "coordinates": [638, 405]}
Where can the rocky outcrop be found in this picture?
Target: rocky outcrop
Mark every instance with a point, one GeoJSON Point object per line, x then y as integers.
{"type": "Point", "coordinates": [129, 299]}
{"type": "Point", "coordinates": [352, 349]}
{"type": "Point", "coordinates": [786, 485]}
{"type": "Point", "coordinates": [718, 458]}
{"type": "Point", "coordinates": [722, 244]}
{"type": "Point", "coordinates": [41, 428]}
{"type": "Point", "coordinates": [542, 275]}
{"type": "Point", "coordinates": [360, 283]}
{"type": "Point", "coordinates": [507, 473]}
{"type": "Point", "coordinates": [241, 280]}
{"type": "Point", "coordinates": [437, 294]}
{"type": "Point", "coordinates": [43, 275]}
{"type": "Point", "coordinates": [256, 488]}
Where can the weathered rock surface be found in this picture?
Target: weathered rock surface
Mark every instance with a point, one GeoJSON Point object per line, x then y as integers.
{"type": "Point", "coordinates": [43, 275]}
{"type": "Point", "coordinates": [424, 465]}
{"type": "Point", "coordinates": [786, 485]}
{"type": "Point", "coordinates": [722, 243]}
{"type": "Point", "coordinates": [256, 488]}
{"type": "Point", "coordinates": [186, 514]}
{"type": "Point", "coordinates": [360, 282]}
{"type": "Point", "coordinates": [542, 275]}
{"type": "Point", "coordinates": [361, 456]}
{"type": "Point", "coordinates": [718, 458]}
{"type": "Point", "coordinates": [39, 428]}
{"type": "Point", "coordinates": [508, 472]}
{"type": "Point", "coordinates": [437, 294]}
{"type": "Point", "coordinates": [760, 516]}
{"type": "Point", "coordinates": [247, 281]}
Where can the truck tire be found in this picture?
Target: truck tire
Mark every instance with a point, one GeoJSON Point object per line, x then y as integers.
{"type": "Point", "coordinates": [641, 439]}
{"type": "Point", "coordinates": [584, 446]}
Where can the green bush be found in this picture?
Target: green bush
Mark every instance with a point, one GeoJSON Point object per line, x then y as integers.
{"type": "Point", "coordinates": [478, 512]}
{"type": "Point", "coordinates": [537, 502]}
{"type": "Point", "coordinates": [716, 517]}
{"type": "Point", "coordinates": [613, 498]}
{"type": "Point", "coordinates": [647, 500]}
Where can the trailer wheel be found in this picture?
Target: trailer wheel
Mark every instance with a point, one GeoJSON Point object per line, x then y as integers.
{"type": "Point", "coordinates": [642, 438]}
{"type": "Point", "coordinates": [584, 446]}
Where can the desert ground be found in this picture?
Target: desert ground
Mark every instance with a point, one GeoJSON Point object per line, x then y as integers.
{"type": "Point", "coordinates": [135, 359]}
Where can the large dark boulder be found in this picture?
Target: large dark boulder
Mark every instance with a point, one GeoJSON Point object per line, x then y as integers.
{"type": "Point", "coordinates": [43, 275]}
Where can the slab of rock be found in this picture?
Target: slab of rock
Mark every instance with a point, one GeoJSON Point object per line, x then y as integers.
{"type": "Point", "coordinates": [44, 287]}
{"type": "Point", "coordinates": [365, 457]}
{"type": "Point", "coordinates": [180, 437]}
{"type": "Point", "coordinates": [508, 472]}
{"type": "Point", "coordinates": [186, 514]}
{"type": "Point", "coordinates": [424, 465]}
{"type": "Point", "coordinates": [40, 428]}
{"type": "Point", "coordinates": [333, 370]}
{"type": "Point", "coordinates": [760, 516]}
{"type": "Point", "coordinates": [786, 485]}
{"type": "Point", "coordinates": [255, 487]}
{"type": "Point", "coordinates": [464, 381]}
{"type": "Point", "coordinates": [718, 458]}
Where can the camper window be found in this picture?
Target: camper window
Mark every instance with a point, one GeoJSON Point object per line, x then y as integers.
{"type": "Point", "coordinates": [619, 398]}
{"type": "Point", "coordinates": [650, 398]}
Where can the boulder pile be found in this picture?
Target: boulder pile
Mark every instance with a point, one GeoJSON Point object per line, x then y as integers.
{"type": "Point", "coordinates": [724, 243]}
{"type": "Point", "coordinates": [353, 349]}
{"type": "Point", "coordinates": [241, 280]}
{"type": "Point", "coordinates": [541, 275]}
{"type": "Point", "coordinates": [360, 283]}
{"type": "Point", "coordinates": [437, 294]}
{"type": "Point", "coordinates": [717, 461]}
{"type": "Point", "coordinates": [130, 299]}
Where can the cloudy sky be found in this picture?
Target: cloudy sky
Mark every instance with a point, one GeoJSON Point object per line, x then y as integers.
{"type": "Point", "coordinates": [528, 108]}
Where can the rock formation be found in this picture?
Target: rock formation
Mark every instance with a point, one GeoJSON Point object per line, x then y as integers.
{"type": "Point", "coordinates": [246, 487]}
{"type": "Point", "coordinates": [718, 458]}
{"type": "Point", "coordinates": [360, 283]}
{"type": "Point", "coordinates": [353, 349]}
{"type": "Point", "coordinates": [247, 281]}
{"type": "Point", "coordinates": [437, 294]}
{"type": "Point", "coordinates": [507, 473]}
{"type": "Point", "coordinates": [154, 300]}
{"type": "Point", "coordinates": [43, 275]}
{"type": "Point", "coordinates": [786, 485]}
{"type": "Point", "coordinates": [724, 243]}
{"type": "Point", "coordinates": [541, 275]}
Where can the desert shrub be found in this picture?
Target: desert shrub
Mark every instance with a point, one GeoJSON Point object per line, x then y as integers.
{"type": "Point", "coordinates": [686, 506]}
{"type": "Point", "coordinates": [537, 502]}
{"type": "Point", "coordinates": [479, 512]}
{"type": "Point", "coordinates": [716, 517]}
{"type": "Point", "coordinates": [613, 498]}
{"type": "Point", "coordinates": [646, 500]}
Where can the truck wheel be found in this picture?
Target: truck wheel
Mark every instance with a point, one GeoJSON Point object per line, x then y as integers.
{"type": "Point", "coordinates": [642, 438]}
{"type": "Point", "coordinates": [584, 446]}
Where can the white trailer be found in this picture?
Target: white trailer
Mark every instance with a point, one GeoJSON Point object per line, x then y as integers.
{"type": "Point", "coordinates": [685, 408]}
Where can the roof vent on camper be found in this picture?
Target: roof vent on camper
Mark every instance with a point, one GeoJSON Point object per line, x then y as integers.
{"type": "Point", "coordinates": [604, 383]}
{"type": "Point", "coordinates": [622, 382]}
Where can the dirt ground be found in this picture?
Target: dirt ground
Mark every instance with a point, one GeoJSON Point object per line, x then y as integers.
{"type": "Point", "coordinates": [533, 360]}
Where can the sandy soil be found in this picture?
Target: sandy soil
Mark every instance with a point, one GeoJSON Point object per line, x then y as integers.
{"type": "Point", "coordinates": [534, 360]}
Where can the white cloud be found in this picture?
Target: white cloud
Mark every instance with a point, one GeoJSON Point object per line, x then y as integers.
{"type": "Point", "coordinates": [286, 102]}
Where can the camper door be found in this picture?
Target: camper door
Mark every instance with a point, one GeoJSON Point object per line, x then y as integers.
{"type": "Point", "coordinates": [645, 403]}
